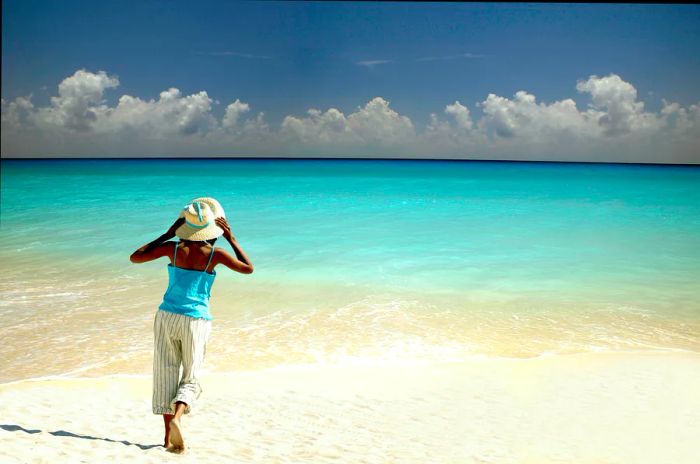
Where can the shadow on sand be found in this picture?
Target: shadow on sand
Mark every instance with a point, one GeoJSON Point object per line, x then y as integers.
{"type": "Point", "coordinates": [63, 433]}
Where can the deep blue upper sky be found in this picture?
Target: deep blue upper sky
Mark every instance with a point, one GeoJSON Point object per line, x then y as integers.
{"type": "Point", "coordinates": [285, 57]}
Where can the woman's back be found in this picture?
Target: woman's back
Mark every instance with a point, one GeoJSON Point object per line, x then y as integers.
{"type": "Point", "coordinates": [194, 256]}
{"type": "Point", "coordinates": [189, 289]}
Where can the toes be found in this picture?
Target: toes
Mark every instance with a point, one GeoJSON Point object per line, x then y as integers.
{"type": "Point", "coordinates": [176, 449]}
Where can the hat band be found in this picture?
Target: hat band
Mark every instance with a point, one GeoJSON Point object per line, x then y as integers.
{"type": "Point", "coordinates": [197, 226]}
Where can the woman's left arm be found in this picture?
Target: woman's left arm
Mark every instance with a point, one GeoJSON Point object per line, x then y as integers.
{"type": "Point", "coordinates": [155, 249]}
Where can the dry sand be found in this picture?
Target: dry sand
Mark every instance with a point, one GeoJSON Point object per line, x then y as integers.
{"type": "Point", "coordinates": [591, 408]}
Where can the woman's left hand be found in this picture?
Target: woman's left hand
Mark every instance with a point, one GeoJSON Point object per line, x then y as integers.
{"type": "Point", "coordinates": [175, 226]}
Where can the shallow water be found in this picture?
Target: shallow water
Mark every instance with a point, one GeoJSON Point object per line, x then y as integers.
{"type": "Point", "coordinates": [355, 260]}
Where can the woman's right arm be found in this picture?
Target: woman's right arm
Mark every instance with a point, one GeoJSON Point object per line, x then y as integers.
{"type": "Point", "coordinates": [241, 263]}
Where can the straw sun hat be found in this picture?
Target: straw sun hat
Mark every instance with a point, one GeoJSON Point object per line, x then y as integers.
{"type": "Point", "coordinates": [199, 217]}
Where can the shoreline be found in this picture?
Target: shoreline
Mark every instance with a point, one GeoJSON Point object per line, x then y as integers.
{"type": "Point", "coordinates": [362, 363]}
{"type": "Point", "coordinates": [589, 407]}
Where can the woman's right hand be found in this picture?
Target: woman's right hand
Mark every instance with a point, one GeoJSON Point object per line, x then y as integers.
{"type": "Point", "coordinates": [221, 222]}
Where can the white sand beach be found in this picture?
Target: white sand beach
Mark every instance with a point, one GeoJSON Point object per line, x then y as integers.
{"type": "Point", "coordinates": [588, 408]}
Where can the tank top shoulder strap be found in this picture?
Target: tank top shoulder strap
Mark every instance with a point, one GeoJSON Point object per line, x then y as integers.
{"type": "Point", "coordinates": [175, 254]}
{"type": "Point", "coordinates": [211, 255]}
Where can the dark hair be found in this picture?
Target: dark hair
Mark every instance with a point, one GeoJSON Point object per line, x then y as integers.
{"type": "Point", "coordinates": [210, 241]}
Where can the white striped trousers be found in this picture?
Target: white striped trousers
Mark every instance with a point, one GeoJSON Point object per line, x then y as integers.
{"type": "Point", "coordinates": [179, 342]}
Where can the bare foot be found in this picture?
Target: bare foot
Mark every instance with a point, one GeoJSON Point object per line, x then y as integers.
{"type": "Point", "coordinates": [177, 442]}
{"type": "Point", "coordinates": [176, 449]}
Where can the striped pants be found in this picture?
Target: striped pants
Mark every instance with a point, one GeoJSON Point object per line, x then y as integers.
{"type": "Point", "coordinates": [180, 341]}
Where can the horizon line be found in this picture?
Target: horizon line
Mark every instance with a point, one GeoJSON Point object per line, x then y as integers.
{"type": "Point", "coordinates": [96, 158]}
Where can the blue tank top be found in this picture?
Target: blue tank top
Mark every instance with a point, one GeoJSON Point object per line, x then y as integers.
{"type": "Point", "coordinates": [188, 290]}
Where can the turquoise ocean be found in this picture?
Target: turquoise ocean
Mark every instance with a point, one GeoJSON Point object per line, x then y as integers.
{"type": "Point", "coordinates": [356, 261]}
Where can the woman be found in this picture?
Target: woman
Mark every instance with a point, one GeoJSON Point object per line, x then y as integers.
{"type": "Point", "coordinates": [183, 322]}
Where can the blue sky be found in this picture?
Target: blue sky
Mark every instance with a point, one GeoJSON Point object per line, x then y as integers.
{"type": "Point", "coordinates": [282, 58]}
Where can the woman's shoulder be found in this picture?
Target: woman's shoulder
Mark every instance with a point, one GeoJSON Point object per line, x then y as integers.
{"type": "Point", "coordinates": [170, 243]}
{"type": "Point", "coordinates": [221, 256]}
{"type": "Point", "coordinates": [220, 252]}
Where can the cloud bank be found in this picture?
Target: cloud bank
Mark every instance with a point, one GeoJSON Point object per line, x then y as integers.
{"type": "Point", "coordinates": [612, 126]}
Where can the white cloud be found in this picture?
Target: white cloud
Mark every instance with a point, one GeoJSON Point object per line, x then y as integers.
{"type": "Point", "coordinates": [613, 127]}
{"type": "Point", "coordinates": [318, 127]}
{"type": "Point", "coordinates": [16, 113]}
{"type": "Point", "coordinates": [371, 126]}
{"type": "Point", "coordinates": [524, 118]}
{"type": "Point", "coordinates": [371, 63]}
{"type": "Point", "coordinates": [461, 115]}
{"type": "Point", "coordinates": [233, 113]}
{"type": "Point", "coordinates": [615, 105]}
{"type": "Point", "coordinates": [171, 114]}
{"type": "Point", "coordinates": [457, 135]}
{"type": "Point", "coordinates": [681, 120]}
{"type": "Point", "coordinates": [79, 102]}
{"type": "Point", "coordinates": [378, 123]}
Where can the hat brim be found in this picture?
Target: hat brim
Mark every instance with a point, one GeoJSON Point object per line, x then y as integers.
{"type": "Point", "coordinates": [186, 232]}
{"type": "Point", "coordinates": [209, 232]}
